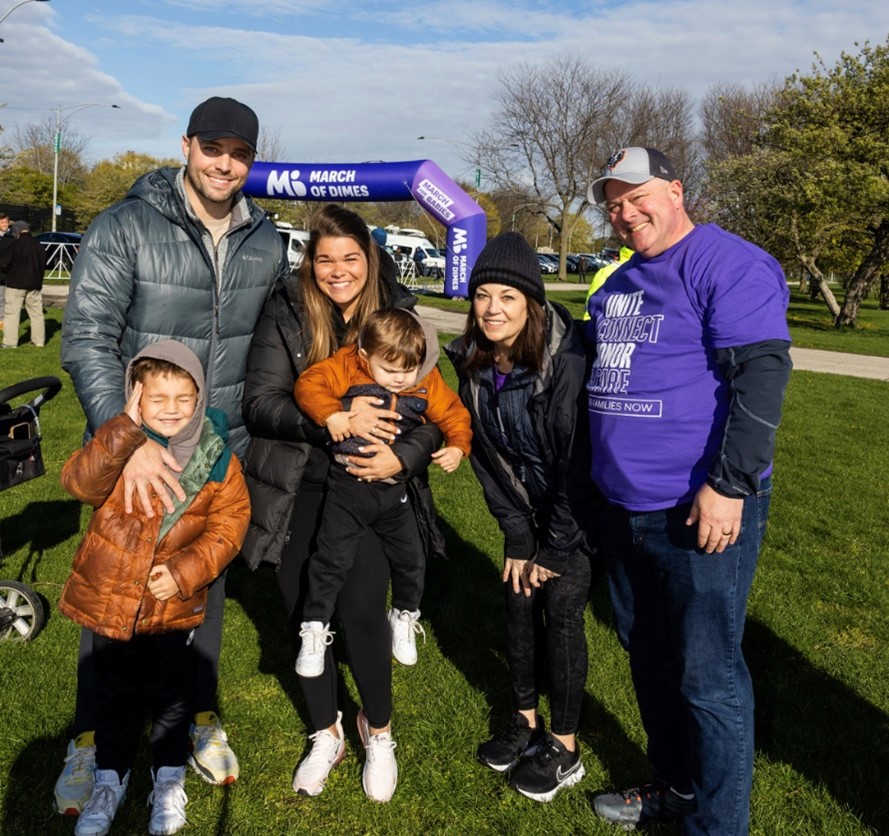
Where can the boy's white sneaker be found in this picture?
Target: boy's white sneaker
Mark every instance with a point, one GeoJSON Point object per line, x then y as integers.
{"type": "Point", "coordinates": [76, 781]}
{"type": "Point", "coordinates": [315, 639]}
{"type": "Point", "coordinates": [100, 809]}
{"type": "Point", "coordinates": [380, 774]}
{"type": "Point", "coordinates": [405, 626]}
{"type": "Point", "coordinates": [211, 756]}
{"type": "Point", "coordinates": [327, 751]}
{"type": "Point", "coordinates": [167, 800]}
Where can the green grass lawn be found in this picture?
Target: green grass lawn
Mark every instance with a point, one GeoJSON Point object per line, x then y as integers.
{"type": "Point", "coordinates": [817, 643]}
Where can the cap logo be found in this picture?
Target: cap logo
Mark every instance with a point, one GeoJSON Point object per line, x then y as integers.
{"type": "Point", "coordinates": [614, 159]}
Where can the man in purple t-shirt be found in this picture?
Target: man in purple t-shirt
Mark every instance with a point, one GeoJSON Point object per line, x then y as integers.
{"type": "Point", "coordinates": [685, 394]}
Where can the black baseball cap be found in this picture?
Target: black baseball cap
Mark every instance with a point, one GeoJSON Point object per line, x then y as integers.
{"type": "Point", "coordinates": [219, 118]}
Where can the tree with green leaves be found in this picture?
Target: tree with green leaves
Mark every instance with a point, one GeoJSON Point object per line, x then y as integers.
{"type": "Point", "coordinates": [109, 180]}
{"type": "Point", "coordinates": [839, 118]}
{"type": "Point", "coordinates": [817, 185]}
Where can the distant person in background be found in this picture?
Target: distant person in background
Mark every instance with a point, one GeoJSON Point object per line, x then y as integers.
{"type": "Point", "coordinates": [23, 262]}
{"type": "Point", "coordinates": [581, 268]}
{"type": "Point", "coordinates": [419, 258]}
{"type": "Point", "coordinates": [600, 276]}
{"type": "Point", "coordinates": [6, 238]}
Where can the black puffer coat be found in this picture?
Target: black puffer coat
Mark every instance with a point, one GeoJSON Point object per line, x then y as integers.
{"type": "Point", "coordinates": [145, 273]}
{"type": "Point", "coordinates": [284, 444]}
{"type": "Point", "coordinates": [23, 262]}
{"type": "Point", "coordinates": [550, 519]}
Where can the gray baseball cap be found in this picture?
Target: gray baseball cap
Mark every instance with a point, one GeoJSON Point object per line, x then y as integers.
{"type": "Point", "coordinates": [631, 165]}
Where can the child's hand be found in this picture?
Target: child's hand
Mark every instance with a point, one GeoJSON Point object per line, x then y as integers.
{"type": "Point", "coordinates": [132, 408]}
{"type": "Point", "coordinates": [338, 425]}
{"type": "Point", "coordinates": [162, 584]}
{"type": "Point", "coordinates": [448, 458]}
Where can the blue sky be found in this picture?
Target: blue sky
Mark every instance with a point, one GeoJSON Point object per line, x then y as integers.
{"type": "Point", "coordinates": [355, 81]}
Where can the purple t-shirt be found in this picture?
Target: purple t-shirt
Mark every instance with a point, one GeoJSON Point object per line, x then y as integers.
{"type": "Point", "coordinates": [658, 402]}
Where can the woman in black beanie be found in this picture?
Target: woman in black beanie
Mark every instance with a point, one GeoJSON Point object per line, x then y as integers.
{"type": "Point", "coordinates": [522, 370]}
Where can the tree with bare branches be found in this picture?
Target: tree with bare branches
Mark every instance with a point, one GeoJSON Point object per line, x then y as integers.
{"type": "Point", "coordinates": [552, 125]}
{"type": "Point", "coordinates": [34, 147]}
{"type": "Point", "coordinates": [555, 125]}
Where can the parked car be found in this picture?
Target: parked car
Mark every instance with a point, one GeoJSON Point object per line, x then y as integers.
{"type": "Point", "coordinates": [546, 266]}
{"type": "Point", "coordinates": [61, 248]}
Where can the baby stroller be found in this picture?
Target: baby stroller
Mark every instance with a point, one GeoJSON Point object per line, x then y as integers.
{"type": "Point", "coordinates": [21, 611]}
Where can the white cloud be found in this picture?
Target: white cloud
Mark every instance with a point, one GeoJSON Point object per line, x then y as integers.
{"type": "Point", "coordinates": [358, 81]}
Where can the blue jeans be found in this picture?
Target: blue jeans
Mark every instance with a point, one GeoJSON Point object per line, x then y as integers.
{"type": "Point", "coordinates": [680, 614]}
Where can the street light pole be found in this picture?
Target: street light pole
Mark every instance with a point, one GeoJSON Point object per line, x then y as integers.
{"type": "Point", "coordinates": [57, 146]}
{"type": "Point", "coordinates": [15, 7]}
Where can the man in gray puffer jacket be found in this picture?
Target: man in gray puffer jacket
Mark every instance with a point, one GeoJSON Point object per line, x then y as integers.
{"type": "Point", "coordinates": [186, 256]}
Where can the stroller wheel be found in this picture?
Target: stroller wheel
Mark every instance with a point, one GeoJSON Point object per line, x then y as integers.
{"type": "Point", "coordinates": [21, 613]}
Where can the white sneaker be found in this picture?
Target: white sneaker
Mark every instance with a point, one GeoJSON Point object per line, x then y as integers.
{"type": "Point", "coordinates": [380, 774]}
{"type": "Point", "coordinates": [100, 809]}
{"type": "Point", "coordinates": [315, 639]}
{"type": "Point", "coordinates": [167, 800]}
{"type": "Point", "coordinates": [75, 785]}
{"type": "Point", "coordinates": [327, 751]}
{"type": "Point", "coordinates": [405, 626]}
{"type": "Point", "coordinates": [211, 756]}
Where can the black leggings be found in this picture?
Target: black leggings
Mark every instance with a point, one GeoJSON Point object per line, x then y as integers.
{"type": "Point", "coordinates": [361, 611]}
{"type": "Point", "coordinates": [545, 640]}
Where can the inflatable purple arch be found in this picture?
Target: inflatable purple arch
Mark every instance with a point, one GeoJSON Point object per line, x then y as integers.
{"type": "Point", "coordinates": [420, 180]}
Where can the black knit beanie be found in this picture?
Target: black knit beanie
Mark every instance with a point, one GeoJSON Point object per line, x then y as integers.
{"type": "Point", "coordinates": [508, 259]}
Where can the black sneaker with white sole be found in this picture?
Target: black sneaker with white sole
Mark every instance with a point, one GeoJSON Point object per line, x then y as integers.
{"type": "Point", "coordinates": [503, 752]}
{"type": "Point", "coordinates": [550, 769]}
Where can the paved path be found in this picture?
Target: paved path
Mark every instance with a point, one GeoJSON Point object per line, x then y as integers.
{"type": "Point", "coordinates": [804, 359]}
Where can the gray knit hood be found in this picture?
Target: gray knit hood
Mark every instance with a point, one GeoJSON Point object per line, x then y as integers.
{"type": "Point", "coordinates": [183, 444]}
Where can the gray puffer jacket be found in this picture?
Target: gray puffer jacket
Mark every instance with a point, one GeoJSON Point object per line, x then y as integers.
{"type": "Point", "coordinates": [148, 271]}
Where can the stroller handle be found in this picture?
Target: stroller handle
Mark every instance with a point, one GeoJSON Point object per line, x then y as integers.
{"type": "Point", "coordinates": [50, 386]}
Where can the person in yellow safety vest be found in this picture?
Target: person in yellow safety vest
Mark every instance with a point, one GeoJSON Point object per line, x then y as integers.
{"type": "Point", "coordinates": [602, 274]}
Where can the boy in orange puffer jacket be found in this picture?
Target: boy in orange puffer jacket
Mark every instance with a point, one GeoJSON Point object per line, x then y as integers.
{"type": "Point", "coordinates": [139, 581]}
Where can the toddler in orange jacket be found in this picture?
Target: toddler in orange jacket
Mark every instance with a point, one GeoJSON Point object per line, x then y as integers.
{"type": "Point", "coordinates": [394, 361]}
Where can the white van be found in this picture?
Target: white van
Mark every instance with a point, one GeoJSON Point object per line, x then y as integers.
{"type": "Point", "coordinates": [295, 240]}
{"type": "Point", "coordinates": [409, 244]}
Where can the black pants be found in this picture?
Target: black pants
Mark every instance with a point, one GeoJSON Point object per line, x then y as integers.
{"type": "Point", "coordinates": [545, 641]}
{"type": "Point", "coordinates": [204, 660]}
{"type": "Point", "coordinates": [360, 608]}
{"type": "Point", "coordinates": [351, 509]}
{"type": "Point", "coordinates": [146, 675]}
